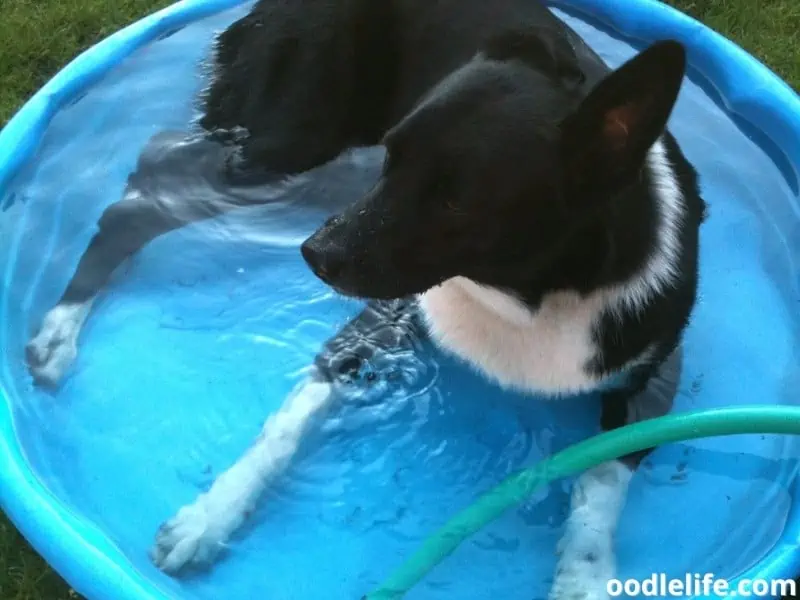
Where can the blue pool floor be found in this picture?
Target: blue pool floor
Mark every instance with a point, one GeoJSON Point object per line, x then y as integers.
{"type": "Point", "coordinates": [203, 334]}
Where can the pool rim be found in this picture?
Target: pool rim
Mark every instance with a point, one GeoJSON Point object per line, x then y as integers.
{"type": "Point", "coordinates": [77, 549]}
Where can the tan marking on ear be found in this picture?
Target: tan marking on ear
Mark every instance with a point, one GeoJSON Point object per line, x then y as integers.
{"type": "Point", "coordinates": [616, 127]}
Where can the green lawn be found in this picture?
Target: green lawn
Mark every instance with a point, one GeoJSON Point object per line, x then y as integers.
{"type": "Point", "coordinates": [48, 33]}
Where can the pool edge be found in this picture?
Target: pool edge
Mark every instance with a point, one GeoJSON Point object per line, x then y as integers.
{"type": "Point", "coordinates": [73, 546]}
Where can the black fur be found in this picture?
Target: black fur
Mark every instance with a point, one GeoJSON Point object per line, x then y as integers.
{"type": "Point", "coordinates": [512, 159]}
{"type": "Point", "coordinates": [305, 79]}
{"type": "Point", "coordinates": [524, 169]}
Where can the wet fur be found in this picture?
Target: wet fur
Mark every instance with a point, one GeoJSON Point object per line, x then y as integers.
{"type": "Point", "coordinates": [586, 282]}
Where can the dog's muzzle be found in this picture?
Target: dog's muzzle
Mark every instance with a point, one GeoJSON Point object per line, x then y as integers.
{"type": "Point", "coordinates": [326, 258]}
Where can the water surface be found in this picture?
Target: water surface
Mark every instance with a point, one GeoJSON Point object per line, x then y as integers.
{"type": "Point", "coordinates": [202, 335]}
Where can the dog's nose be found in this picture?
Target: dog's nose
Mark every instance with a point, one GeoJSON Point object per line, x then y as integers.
{"type": "Point", "coordinates": [326, 263]}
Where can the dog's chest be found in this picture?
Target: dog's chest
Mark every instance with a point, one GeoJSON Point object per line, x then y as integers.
{"type": "Point", "coordinates": [547, 351]}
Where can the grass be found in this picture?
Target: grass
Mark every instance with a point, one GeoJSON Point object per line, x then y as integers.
{"type": "Point", "coordinates": [40, 36]}
{"type": "Point", "coordinates": [768, 29]}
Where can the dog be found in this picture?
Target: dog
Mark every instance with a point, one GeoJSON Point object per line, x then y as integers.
{"type": "Point", "coordinates": [534, 217]}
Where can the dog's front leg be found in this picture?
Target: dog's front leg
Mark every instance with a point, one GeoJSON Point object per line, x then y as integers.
{"type": "Point", "coordinates": [586, 549]}
{"type": "Point", "coordinates": [349, 359]}
{"type": "Point", "coordinates": [586, 552]}
{"type": "Point", "coordinates": [199, 530]}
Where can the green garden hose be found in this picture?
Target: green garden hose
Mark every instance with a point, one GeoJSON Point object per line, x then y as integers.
{"type": "Point", "coordinates": [578, 458]}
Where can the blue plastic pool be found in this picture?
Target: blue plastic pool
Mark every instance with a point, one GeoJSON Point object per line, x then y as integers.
{"type": "Point", "coordinates": [205, 331]}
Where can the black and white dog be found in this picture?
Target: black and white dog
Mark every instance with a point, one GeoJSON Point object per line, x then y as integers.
{"type": "Point", "coordinates": [533, 211]}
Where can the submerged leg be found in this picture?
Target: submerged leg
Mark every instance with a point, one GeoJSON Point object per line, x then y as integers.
{"type": "Point", "coordinates": [294, 77]}
{"type": "Point", "coordinates": [196, 534]}
{"type": "Point", "coordinates": [198, 531]}
{"type": "Point", "coordinates": [586, 550]}
{"type": "Point", "coordinates": [174, 184]}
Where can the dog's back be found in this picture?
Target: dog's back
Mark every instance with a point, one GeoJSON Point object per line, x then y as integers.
{"type": "Point", "coordinates": [379, 59]}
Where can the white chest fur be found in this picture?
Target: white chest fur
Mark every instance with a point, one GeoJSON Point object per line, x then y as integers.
{"type": "Point", "coordinates": [549, 350]}
{"type": "Point", "coordinates": [546, 351]}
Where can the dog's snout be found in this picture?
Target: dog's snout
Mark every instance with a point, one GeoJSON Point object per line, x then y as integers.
{"type": "Point", "coordinates": [312, 254]}
{"type": "Point", "coordinates": [325, 261]}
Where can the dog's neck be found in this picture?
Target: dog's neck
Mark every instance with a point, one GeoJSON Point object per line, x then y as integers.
{"type": "Point", "coordinates": [539, 337]}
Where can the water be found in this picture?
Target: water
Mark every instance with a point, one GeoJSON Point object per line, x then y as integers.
{"type": "Point", "coordinates": [207, 329]}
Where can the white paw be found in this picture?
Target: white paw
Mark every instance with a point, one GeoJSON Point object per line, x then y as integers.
{"type": "Point", "coordinates": [585, 566]}
{"type": "Point", "coordinates": [194, 536]}
{"type": "Point", "coordinates": [199, 531]}
{"type": "Point", "coordinates": [50, 353]}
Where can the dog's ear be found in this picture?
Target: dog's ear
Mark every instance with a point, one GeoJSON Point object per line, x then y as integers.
{"type": "Point", "coordinates": [606, 140]}
{"type": "Point", "coordinates": [543, 48]}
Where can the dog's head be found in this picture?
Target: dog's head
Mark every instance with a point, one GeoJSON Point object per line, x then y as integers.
{"type": "Point", "coordinates": [496, 167]}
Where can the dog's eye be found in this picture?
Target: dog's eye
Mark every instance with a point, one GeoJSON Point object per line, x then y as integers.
{"type": "Point", "coordinates": [451, 205]}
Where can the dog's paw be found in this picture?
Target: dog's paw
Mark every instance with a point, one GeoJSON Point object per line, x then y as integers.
{"type": "Point", "coordinates": [196, 534]}
{"type": "Point", "coordinates": [585, 567]}
{"type": "Point", "coordinates": [51, 352]}
{"type": "Point", "coordinates": [193, 537]}
{"type": "Point", "coordinates": [582, 578]}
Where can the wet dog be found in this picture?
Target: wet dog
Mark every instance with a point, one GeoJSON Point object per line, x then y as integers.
{"type": "Point", "coordinates": [534, 216]}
